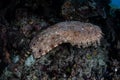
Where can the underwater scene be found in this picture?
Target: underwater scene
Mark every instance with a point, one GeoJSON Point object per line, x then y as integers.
{"type": "Point", "coordinates": [59, 39]}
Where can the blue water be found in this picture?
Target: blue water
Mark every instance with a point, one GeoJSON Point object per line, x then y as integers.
{"type": "Point", "coordinates": [115, 4]}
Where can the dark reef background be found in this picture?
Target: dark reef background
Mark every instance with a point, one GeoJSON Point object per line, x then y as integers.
{"type": "Point", "coordinates": [21, 20]}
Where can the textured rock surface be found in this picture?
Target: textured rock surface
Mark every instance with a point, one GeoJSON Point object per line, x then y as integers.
{"type": "Point", "coordinates": [67, 62]}
{"type": "Point", "coordinates": [73, 32]}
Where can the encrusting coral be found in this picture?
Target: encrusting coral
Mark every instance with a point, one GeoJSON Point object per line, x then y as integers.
{"type": "Point", "coordinates": [73, 32]}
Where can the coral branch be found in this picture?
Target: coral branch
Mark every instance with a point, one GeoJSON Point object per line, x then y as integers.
{"type": "Point", "coordinates": [73, 32]}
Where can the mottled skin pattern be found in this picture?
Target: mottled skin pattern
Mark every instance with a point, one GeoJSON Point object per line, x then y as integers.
{"type": "Point", "coordinates": [73, 32]}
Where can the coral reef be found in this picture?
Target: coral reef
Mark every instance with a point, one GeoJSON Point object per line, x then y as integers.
{"type": "Point", "coordinates": [82, 9]}
{"type": "Point", "coordinates": [63, 62]}
{"type": "Point", "coordinates": [67, 62]}
{"type": "Point", "coordinates": [74, 32]}
{"type": "Point", "coordinates": [73, 55]}
{"type": "Point", "coordinates": [29, 23]}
